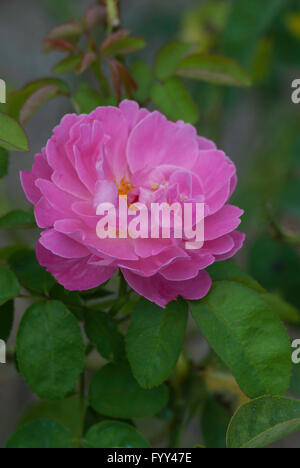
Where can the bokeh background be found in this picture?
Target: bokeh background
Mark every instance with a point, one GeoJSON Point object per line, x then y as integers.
{"type": "Point", "coordinates": [258, 127]}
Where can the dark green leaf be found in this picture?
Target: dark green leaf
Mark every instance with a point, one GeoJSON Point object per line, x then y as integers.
{"type": "Point", "coordinates": [102, 332]}
{"type": "Point", "coordinates": [18, 220]}
{"type": "Point", "coordinates": [154, 340]}
{"type": "Point", "coordinates": [4, 162]}
{"type": "Point", "coordinates": [42, 433]}
{"type": "Point", "coordinates": [114, 434]}
{"type": "Point", "coordinates": [12, 135]}
{"type": "Point", "coordinates": [248, 337]}
{"type": "Point", "coordinates": [174, 100]}
{"type": "Point", "coordinates": [229, 271]}
{"type": "Point", "coordinates": [70, 298]}
{"type": "Point", "coordinates": [115, 393]}
{"type": "Point", "coordinates": [6, 319]}
{"type": "Point", "coordinates": [31, 275]}
{"type": "Point", "coordinates": [213, 69]}
{"type": "Point", "coordinates": [68, 412]}
{"type": "Point", "coordinates": [168, 58]}
{"type": "Point", "coordinates": [50, 349]}
{"type": "Point", "coordinates": [263, 421]}
{"type": "Point", "coordinates": [247, 22]}
{"type": "Point", "coordinates": [215, 419]}
{"type": "Point", "coordinates": [9, 286]}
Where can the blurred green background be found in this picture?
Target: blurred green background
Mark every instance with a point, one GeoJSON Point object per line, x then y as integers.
{"type": "Point", "coordinates": [258, 127]}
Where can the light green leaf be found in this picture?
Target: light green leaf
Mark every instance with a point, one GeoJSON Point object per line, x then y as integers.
{"type": "Point", "coordinates": [102, 332]}
{"type": "Point", "coordinates": [42, 433]}
{"type": "Point", "coordinates": [174, 100]}
{"type": "Point", "coordinates": [12, 135]}
{"type": "Point", "coordinates": [285, 311]}
{"type": "Point", "coordinates": [50, 349]}
{"type": "Point", "coordinates": [247, 336]}
{"type": "Point", "coordinates": [29, 272]}
{"type": "Point", "coordinates": [263, 421]}
{"type": "Point", "coordinates": [213, 69]}
{"type": "Point", "coordinates": [114, 434]}
{"type": "Point", "coordinates": [9, 286]}
{"type": "Point", "coordinates": [154, 340]}
{"type": "Point", "coordinates": [66, 65]}
{"type": "Point", "coordinates": [144, 78]}
{"type": "Point", "coordinates": [168, 58]}
{"type": "Point", "coordinates": [6, 319]}
{"type": "Point", "coordinates": [4, 162]}
{"type": "Point", "coordinates": [18, 220]}
{"type": "Point", "coordinates": [115, 393]}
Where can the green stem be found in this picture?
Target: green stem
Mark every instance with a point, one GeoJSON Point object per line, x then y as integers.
{"type": "Point", "coordinates": [113, 19]}
{"type": "Point", "coordinates": [103, 84]}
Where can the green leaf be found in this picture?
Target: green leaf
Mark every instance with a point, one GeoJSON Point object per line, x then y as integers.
{"type": "Point", "coordinates": [213, 69]}
{"type": "Point", "coordinates": [154, 340]}
{"type": "Point", "coordinates": [6, 319]}
{"type": "Point", "coordinates": [229, 271]}
{"type": "Point", "coordinates": [285, 311]}
{"type": "Point", "coordinates": [18, 98]}
{"type": "Point", "coordinates": [215, 419]}
{"type": "Point", "coordinates": [168, 58]}
{"type": "Point", "coordinates": [67, 30]}
{"type": "Point", "coordinates": [12, 135]}
{"type": "Point", "coordinates": [114, 434]}
{"type": "Point", "coordinates": [247, 336]}
{"type": "Point", "coordinates": [42, 433]}
{"type": "Point", "coordinates": [4, 162]}
{"type": "Point", "coordinates": [144, 78]}
{"type": "Point", "coordinates": [247, 22]}
{"type": "Point", "coordinates": [38, 99]}
{"type": "Point", "coordinates": [18, 220]}
{"type": "Point", "coordinates": [86, 99]}
{"type": "Point", "coordinates": [263, 421]}
{"type": "Point", "coordinates": [31, 275]}
{"type": "Point", "coordinates": [66, 65]}
{"type": "Point", "coordinates": [50, 349]}
{"type": "Point", "coordinates": [102, 332]}
{"type": "Point", "coordinates": [174, 100]}
{"type": "Point", "coordinates": [68, 412]}
{"type": "Point", "coordinates": [115, 393]}
{"type": "Point", "coordinates": [123, 46]}
{"type": "Point", "coordinates": [70, 298]}
{"type": "Point", "coordinates": [9, 286]}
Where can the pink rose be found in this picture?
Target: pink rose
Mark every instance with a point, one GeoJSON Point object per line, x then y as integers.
{"type": "Point", "coordinates": [92, 159]}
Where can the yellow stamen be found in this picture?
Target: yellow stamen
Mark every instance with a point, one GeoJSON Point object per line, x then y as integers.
{"type": "Point", "coordinates": [124, 187]}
